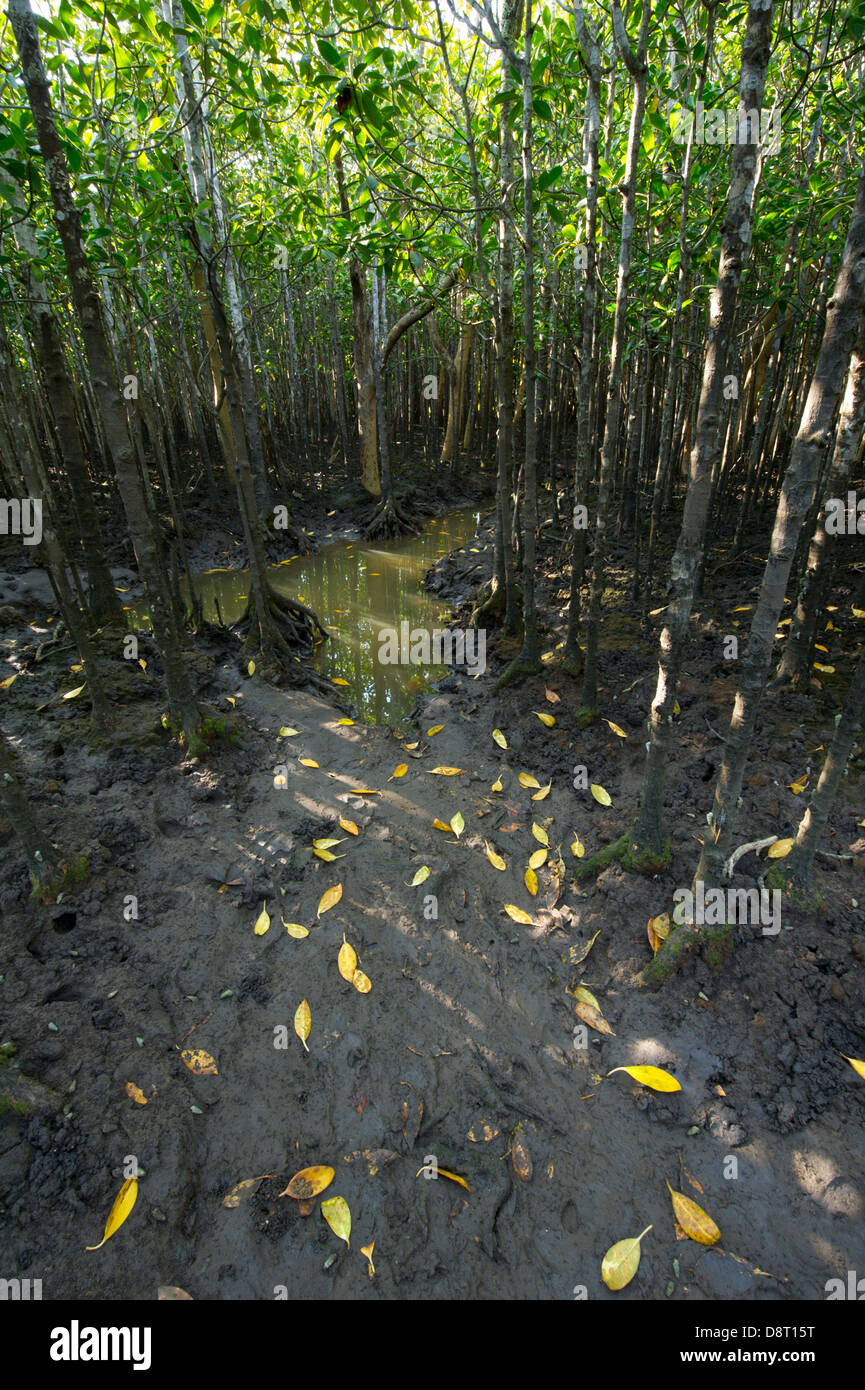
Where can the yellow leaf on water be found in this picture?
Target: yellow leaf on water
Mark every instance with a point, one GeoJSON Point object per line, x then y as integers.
{"type": "Point", "coordinates": [347, 961]}
{"type": "Point", "coordinates": [447, 771]}
{"type": "Point", "coordinates": [295, 929]}
{"type": "Point", "coordinates": [262, 921]}
{"type": "Point", "coordinates": [540, 834]}
{"type": "Point", "coordinates": [538, 858]}
{"type": "Point", "coordinates": [458, 825]}
{"type": "Point", "coordinates": [695, 1222]}
{"type": "Point", "coordinates": [547, 719]}
{"type": "Point", "coordinates": [329, 899]}
{"type": "Point", "coordinates": [526, 779]}
{"type": "Point", "coordinates": [495, 859]}
{"type": "Point", "coordinates": [123, 1204]}
{"type": "Point", "coordinates": [199, 1061]}
{"type": "Point", "coordinates": [781, 848]}
{"type": "Point", "coordinates": [367, 1250]}
{"type": "Point", "coordinates": [135, 1093]}
{"type": "Point", "coordinates": [654, 1077]}
{"type": "Point", "coordinates": [308, 1183]}
{"type": "Point", "coordinates": [421, 876]}
{"type": "Point", "coordinates": [601, 794]}
{"type": "Point", "coordinates": [616, 728]}
{"type": "Point", "coordinates": [531, 882]}
{"type": "Point", "coordinates": [338, 1217]}
{"type": "Point", "coordinates": [622, 1261]}
{"type": "Point", "coordinates": [857, 1066]}
{"type": "Point", "coordinates": [303, 1021]}
{"type": "Point", "coordinates": [497, 735]}
{"type": "Point", "coordinates": [399, 771]}
{"type": "Point", "coordinates": [436, 729]}
{"type": "Point", "coordinates": [517, 915]}
{"type": "Point", "coordinates": [361, 982]}
{"type": "Point", "coordinates": [349, 825]}
{"type": "Point", "coordinates": [337, 680]}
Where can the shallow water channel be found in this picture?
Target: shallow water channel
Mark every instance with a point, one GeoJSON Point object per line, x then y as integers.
{"type": "Point", "coordinates": [358, 589]}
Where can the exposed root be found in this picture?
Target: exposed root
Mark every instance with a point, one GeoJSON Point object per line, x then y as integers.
{"type": "Point", "coordinates": [389, 522]}
{"type": "Point", "coordinates": [520, 668]}
{"type": "Point", "coordinates": [283, 633]}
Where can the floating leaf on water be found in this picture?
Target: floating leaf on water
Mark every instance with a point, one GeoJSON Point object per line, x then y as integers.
{"type": "Point", "coordinates": [517, 915]}
{"type": "Point", "coordinates": [329, 899]}
{"type": "Point", "coordinates": [347, 960]}
{"type": "Point", "coordinates": [540, 834]}
{"type": "Point", "coordinates": [696, 1223]}
{"type": "Point", "coordinates": [199, 1062]}
{"type": "Point", "coordinates": [338, 680]}
{"type": "Point", "coordinates": [338, 1217]}
{"type": "Point", "coordinates": [594, 1018]}
{"type": "Point", "coordinates": [495, 859]}
{"type": "Point", "coordinates": [498, 737]}
{"type": "Point", "coordinates": [548, 719]}
{"type": "Point", "coordinates": [526, 779]}
{"type": "Point", "coordinates": [361, 982]}
{"type": "Point", "coordinates": [367, 1250]}
{"type": "Point", "coordinates": [309, 1182]}
{"type": "Point", "coordinates": [531, 880]}
{"type": "Point", "coordinates": [303, 1021]}
{"type": "Point", "coordinates": [601, 794]}
{"type": "Point", "coordinates": [135, 1093]}
{"type": "Point", "coordinates": [781, 848]}
{"type": "Point", "coordinates": [622, 1261]}
{"type": "Point", "coordinates": [295, 929]}
{"type": "Point", "coordinates": [420, 877]}
{"type": "Point", "coordinates": [654, 1077]}
{"type": "Point", "coordinates": [123, 1204]}
{"type": "Point", "coordinates": [400, 771]}
{"type": "Point", "coordinates": [262, 921]}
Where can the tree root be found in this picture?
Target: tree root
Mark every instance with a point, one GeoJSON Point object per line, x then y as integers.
{"type": "Point", "coordinates": [284, 632]}
{"type": "Point", "coordinates": [389, 522]}
{"type": "Point", "coordinates": [520, 668]}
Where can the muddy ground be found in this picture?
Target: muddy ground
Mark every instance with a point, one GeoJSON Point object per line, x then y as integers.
{"type": "Point", "coordinates": [465, 1043]}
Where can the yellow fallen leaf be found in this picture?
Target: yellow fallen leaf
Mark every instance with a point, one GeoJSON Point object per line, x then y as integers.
{"type": "Point", "coordinates": [458, 825]}
{"type": "Point", "coordinates": [199, 1061]}
{"type": "Point", "coordinates": [70, 695]}
{"type": "Point", "coordinates": [436, 729]}
{"type": "Point", "coordinates": [286, 732]}
{"type": "Point", "coordinates": [616, 728]}
{"type": "Point", "coordinates": [242, 1191]}
{"type": "Point", "coordinates": [497, 785]}
{"type": "Point", "coordinates": [308, 762]}
{"type": "Point", "coordinates": [857, 1066]}
{"type": "Point", "coordinates": [658, 929]}
{"type": "Point", "coordinates": [347, 961]}
{"type": "Point", "coordinates": [547, 719]}
{"type": "Point", "coordinates": [543, 793]}
{"type": "Point", "coordinates": [251, 668]}
{"type": "Point", "coordinates": [594, 1018]}
{"type": "Point", "coordinates": [349, 825]}
{"type": "Point", "coordinates": [578, 849]}
{"type": "Point", "coordinates": [303, 1021]}
{"type": "Point", "coordinates": [421, 876]}
{"type": "Point", "coordinates": [497, 735]}
{"type": "Point", "coordinates": [827, 670]}
{"type": "Point", "coordinates": [531, 879]}
{"type": "Point", "coordinates": [409, 748]}
{"type": "Point", "coordinates": [337, 680]}
{"type": "Point", "coordinates": [551, 695]}
{"type": "Point", "coordinates": [601, 794]}
{"type": "Point", "coordinates": [399, 771]}
{"type": "Point", "coordinates": [262, 921]}
{"type": "Point", "coordinates": [654, 1077]}
{"type": "Point", "coordinates": [327, 843]}
{"type": "Point", "coordinates": [578, 954]}
{"type": "Point", "coordinates": [696, 1223]}
{"type": "Point", "coordinates": [326, 855]}
{"type": "Point", "coordinates": [781, 848]}
{"type": "Point", "coordinates": [538, 858]}
{"type": "Point", "coordinates": [526, 779]}
{"type": "Point", "coordinates": [364, 791]}
{"type": "Point", "coordinates": [338, 1217]}
{"type": "Point", "coordinates": [361, 982]}
{"type": "Point", "coordinates": [540, 834]}
{"type": "Point", "coordinates": [441, 825]}
{"type": "Point", "coordinates": [585, 996]}
{"type": "Point", "coordinates": [367, 1250]}
{"type": "Point", "coordinates": [135, 1093]}
{"type": "Point", "coordinates": [344, 722]}
{"type": "Point", "coordinates": [443, 1173]}
{"type": "Point", "coordinates": [309, 1182]}
{"type": "Point", "coordinates": [4, 685]}
{"type": "Point", "coordinates": [495, 859]}
{"type": "Point", "coordinates": [123, 1204]}
{"type": "Point", "coordinates": [622, 1261]}
{"type": "Point", "coordinates": [517, 915]}
{"type": "Point", "coordinates": [329, 899]}
{"type": "Point", "coordinates": [295, 929]}
{"type": "Point", "coordinates": [447, 771]}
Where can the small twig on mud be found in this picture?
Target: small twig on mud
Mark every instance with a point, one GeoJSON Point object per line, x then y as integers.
{"type": "Point", "coordinates": [713, 730]}
{"type": "Point", "coordinates": [827, 854]}
{"type": "Point", "coordinates": [746, 849]}
{"type": "Point", "coordinates": [193, 1028]}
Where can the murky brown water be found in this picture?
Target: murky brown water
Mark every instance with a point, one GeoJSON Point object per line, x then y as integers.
{"type": "Point", "coordinates": [358, 589]}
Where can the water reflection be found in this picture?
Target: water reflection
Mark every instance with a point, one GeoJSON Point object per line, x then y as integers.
{"type": "Point", "coordinates": [357, 590]}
